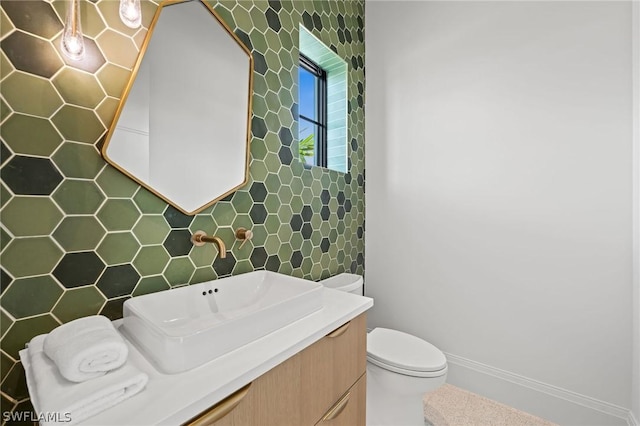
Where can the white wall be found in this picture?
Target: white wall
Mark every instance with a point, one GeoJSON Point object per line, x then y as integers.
{"type": "Point", "coordinates": [499, 176]}
{"type": "Point", "coordinates": [635, 395]}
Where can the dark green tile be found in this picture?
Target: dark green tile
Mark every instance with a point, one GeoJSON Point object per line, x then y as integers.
{"type": "Point", "coordinates": [15, 384]}
{"type": "Point", "coordinates": [118, 280]}
{"type": "Point", "coordinates": [79, 269]}
{"type": "Point", "coordinates": [92, 60]}
{"type": "Point", "coordinates": [113, 308]}
{"type": "Point", "coordinates": [33, 17]}
{"type": "Point", "coordinates": [31, 54]}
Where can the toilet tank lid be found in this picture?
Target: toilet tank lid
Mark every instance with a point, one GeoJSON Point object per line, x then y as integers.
{"type": "Point", "coordinates": [398, 349]}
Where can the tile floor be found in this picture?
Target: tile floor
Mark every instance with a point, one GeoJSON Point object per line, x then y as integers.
{"type": "Point", "coordinates": [452, 406]}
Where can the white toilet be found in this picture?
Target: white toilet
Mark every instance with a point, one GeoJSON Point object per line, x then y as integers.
{"type": "Point", "coordinates": [401, 368]}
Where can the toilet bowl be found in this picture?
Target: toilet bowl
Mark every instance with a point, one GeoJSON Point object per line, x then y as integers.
{"type": "Point", "coordinates": [401, 368]}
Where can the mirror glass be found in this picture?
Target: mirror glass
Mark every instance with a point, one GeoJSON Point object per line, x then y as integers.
{"type": "Point", "coordinates": [182, 127]}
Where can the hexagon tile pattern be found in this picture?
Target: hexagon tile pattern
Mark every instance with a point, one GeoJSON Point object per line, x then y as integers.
{"type": "Point", "coordinates": [78, 238]}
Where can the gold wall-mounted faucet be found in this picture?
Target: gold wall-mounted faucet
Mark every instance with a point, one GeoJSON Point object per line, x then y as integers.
{"type": "Point", "coordinates": [200, 238]}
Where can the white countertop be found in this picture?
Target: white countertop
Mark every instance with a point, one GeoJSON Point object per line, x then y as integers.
{"type": "Point", "coordinates": [172, 399]}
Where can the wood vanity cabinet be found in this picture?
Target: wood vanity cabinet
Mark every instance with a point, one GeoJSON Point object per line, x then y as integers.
{"type": "Point", "coordinates": [325, 384]}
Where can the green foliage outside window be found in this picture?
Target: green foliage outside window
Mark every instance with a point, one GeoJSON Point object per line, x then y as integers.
{"type": "Point", "coordinates": [306, 148]}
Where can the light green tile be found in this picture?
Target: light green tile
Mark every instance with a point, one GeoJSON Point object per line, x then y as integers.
{"type": "Point", "coordinates": [28, 216]}
{"type": "Point", "coordinates": [79, 233]}
{"type": "Point", "coordinates": [78, 197]}
{"type": "Point", "coordinates": [6, 26]}
{"type": "Point", "coordinates": [5, 239]}
{"type": "Point", "coordinates": [79, 302]}
{"type": "Point", "coordinates": [151, 260]}
{"type": "Point", "coordinates": [5, 66]}
{"type": "Point", "coordinates": [118, 214]}
{"type": "Point", "coordinates": [118, 247]}
{"type": "Point", "coordinates": [116, 184]}
{"type": "Point", "coordinates": [119, 49]}
{"type": "Point", "coordinates": [77, 160]}
{"type": "Point", "coordinates": [31, 256]}
{"type": "Point", "coordinates": [78, 87]}
{"type": "Point", "coordinates": [113, 79]}
{"type": "Point", "coordinates": [31, 296]}
{"type": "Point", "coordinates": [203, 274]}
{"type": "Point", "coordinates": [30, 94]}
{"type": "Point", "coordinates": [151, 285]}
{"type": "Point", "coordinates": [179, 271]}
{"type": "Point", "coordinates": [223, 214]}
{"type": "Point", "coordinates": [30, 135]}
{"type": "Point", "coordinates": [5, 323]}
{"type": "Point", "coordinates": [78, 124]}
{"type": "Point", "coordinates": [151, 229]}
{"type": "Point", "coordinates": [148, 203]}
{"type": "Point", "coordinates": [242, 202]}
{"type": "Point", "coordinates": [24, 330]}
{"type": "Point", "coordinates": [106, 111]}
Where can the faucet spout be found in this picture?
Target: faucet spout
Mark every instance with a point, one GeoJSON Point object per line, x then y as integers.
{"type": "Point", "coordinates": [200, 238]}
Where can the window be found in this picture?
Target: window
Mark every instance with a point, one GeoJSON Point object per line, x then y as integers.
{"type": "Point", "coordinates": [312, 128]}
{"type": "Point", "coordinates": [322, 105]}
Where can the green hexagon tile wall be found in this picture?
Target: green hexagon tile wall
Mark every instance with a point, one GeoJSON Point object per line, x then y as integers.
{"type": "Point", "coordinates": [79, 238]}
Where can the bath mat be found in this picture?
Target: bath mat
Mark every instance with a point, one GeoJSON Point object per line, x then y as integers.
{"type": "Point", "coordinates": [452, 406]}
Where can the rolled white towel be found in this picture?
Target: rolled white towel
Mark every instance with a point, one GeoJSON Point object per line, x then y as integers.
{"type": "Point", "coordinates": [86, 348]}
{"type": "Point", "coordinates": [61, 402]}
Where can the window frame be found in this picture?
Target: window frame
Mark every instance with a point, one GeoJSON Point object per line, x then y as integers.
{"type": "Point", "coordinates": [320, 156]}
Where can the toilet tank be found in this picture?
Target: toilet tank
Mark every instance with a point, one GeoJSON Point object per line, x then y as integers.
{"type": "Point", "coordinates": [351, 283]}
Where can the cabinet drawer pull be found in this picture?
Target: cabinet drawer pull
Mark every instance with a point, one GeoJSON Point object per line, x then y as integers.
{"type": "Point", "coordinates": [339, 331]}
{"type": "Point", "coordinates": [337, 409]}
{"type": "Point", "coordinates": [221, 409]}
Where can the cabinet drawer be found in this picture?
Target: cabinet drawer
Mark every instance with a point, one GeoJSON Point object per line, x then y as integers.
{"type": "Point", "coordinates": [273, 399]}
{"type": "Point", "coordinates": [331, 366]}
{"type": "Point", "coordinates": [350, 409]}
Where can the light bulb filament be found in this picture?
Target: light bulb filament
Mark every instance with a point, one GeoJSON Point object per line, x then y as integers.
{"type": "Point", "coordinates": [130, 13]}
{"type": "Point", "coordinates": [72, 42]}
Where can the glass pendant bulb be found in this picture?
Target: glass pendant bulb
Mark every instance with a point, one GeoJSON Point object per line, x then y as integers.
{"type": "Point", "coordinates": [130, 13]}
{"type": "Point", "coordinates": [72, 43]}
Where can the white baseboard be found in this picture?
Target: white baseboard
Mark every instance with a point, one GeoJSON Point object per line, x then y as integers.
{"type": "Point", "coordinates": [551, 402]}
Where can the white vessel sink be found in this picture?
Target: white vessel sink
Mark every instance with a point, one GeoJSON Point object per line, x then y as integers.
{"type": "Point", "coordinates": [183, 328]}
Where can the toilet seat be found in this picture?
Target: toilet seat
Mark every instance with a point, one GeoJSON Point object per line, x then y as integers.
{"type": "Point", "coordinates": [403, 353]}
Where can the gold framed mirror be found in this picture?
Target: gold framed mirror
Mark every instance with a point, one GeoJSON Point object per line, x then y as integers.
{"type": "Point", "coordinates": [182, 127]}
